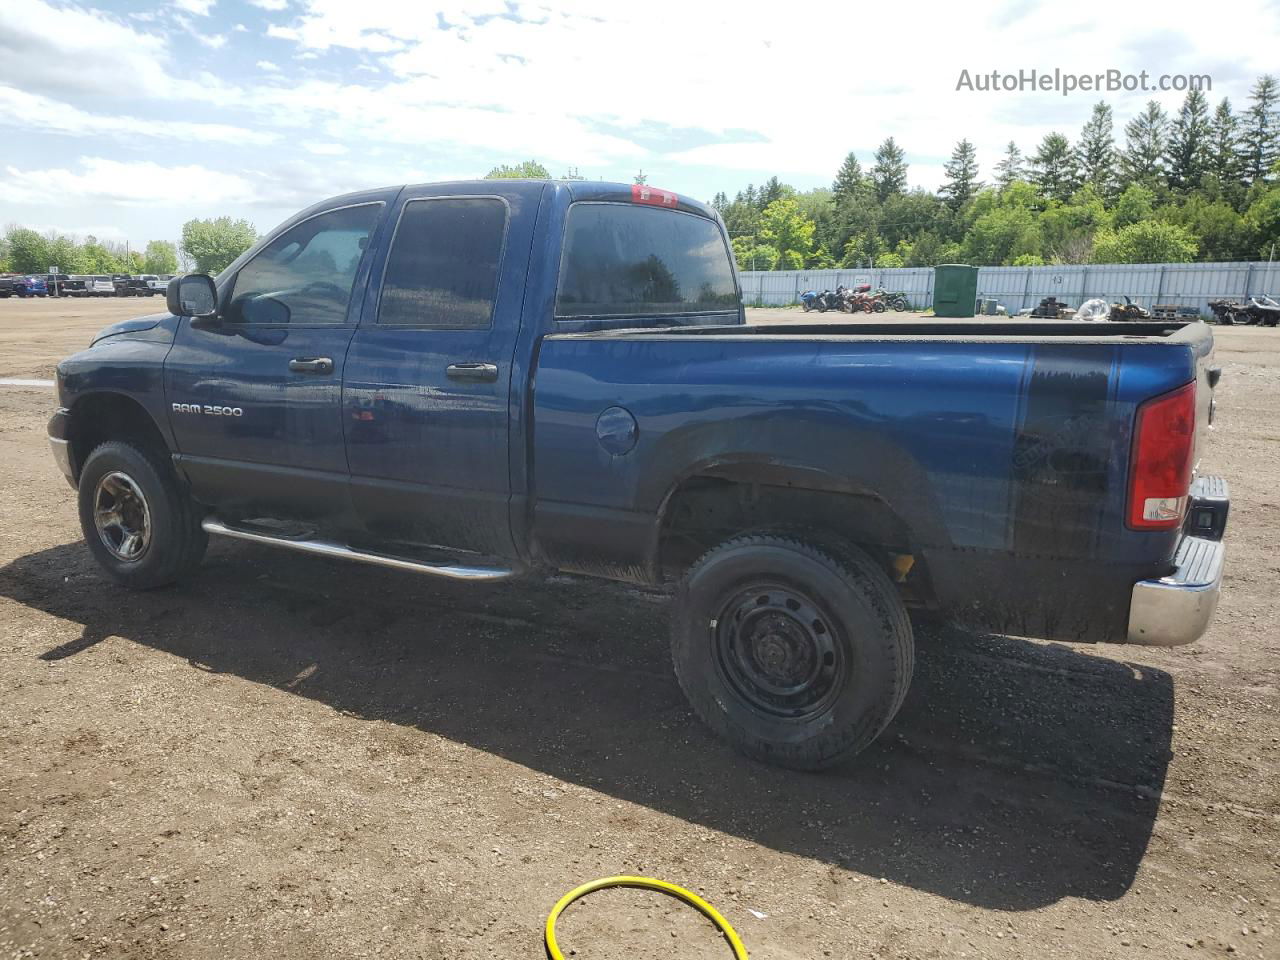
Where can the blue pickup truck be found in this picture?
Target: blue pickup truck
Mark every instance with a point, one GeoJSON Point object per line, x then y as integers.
{"type": "Point", "coordinates": [486, 379]}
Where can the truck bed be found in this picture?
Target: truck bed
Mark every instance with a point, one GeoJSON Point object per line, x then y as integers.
{"type": "Point", "coordinates": [997, 451]}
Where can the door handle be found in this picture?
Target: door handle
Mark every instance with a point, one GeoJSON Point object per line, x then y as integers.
{"type": "Point", "coordinates": [487, 372]}
{"type": "Point", "coordinates": [311, 365]}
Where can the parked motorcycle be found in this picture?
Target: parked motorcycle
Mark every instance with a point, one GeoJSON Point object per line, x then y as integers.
{"type": "Point", "coordinates": [893, 301]}
{"type": "Point", "coordinates": [810, 300]}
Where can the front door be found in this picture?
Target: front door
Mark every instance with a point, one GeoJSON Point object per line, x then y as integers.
{"type": "Point", "coordinates": [429, 370]}
{"type": "Point", "coordinates": [256, 395]}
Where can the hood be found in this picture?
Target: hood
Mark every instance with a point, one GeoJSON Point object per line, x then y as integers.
{"type": "Point", "coordinates": [136, 325]}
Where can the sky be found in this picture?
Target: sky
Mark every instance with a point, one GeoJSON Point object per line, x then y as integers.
{"type": "Point", "coordinates": [125, 119]}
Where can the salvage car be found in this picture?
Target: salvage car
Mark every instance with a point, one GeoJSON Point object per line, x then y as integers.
{"type": "Point", "coordinates": [480, 380]}
{"type": "Point", "coordinates": [30, 286]}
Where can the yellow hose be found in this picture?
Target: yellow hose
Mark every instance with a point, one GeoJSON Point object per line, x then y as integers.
{"type": "Point", "coordinates": [643, 883]}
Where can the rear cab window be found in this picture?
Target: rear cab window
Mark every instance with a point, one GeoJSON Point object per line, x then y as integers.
{"type": "Point", "coordinates": [629, 261]}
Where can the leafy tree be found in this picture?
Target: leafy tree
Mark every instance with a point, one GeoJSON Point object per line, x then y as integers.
{"type": "Point", "coordinates": [1260, 131]}
{"type": "Point", "coordinates": [28, 251]}
{"type": "Point", "coordinates": [1143, 158]}
{"type": "Point", "coordinates": [1135, 204]}
{"type": "Point", "coordinates": [64, 253]}
{"type": "Point", "coordinates": [1053, 167]}
{"type": "Point", "coordinates": [754, 256]}
{"type": "Point", "coordinates": [904, 215]}
{"type": "Point", "coordinates": [1067, 230]}
{"type": "Point", "coordinates": [783, 228]}
{"type": "Point", "coordinates": [1005, 230]}
{"type": "Point", "coordinates": [1221, 233]}
{"type": "Point", "coordinates": [1188, 151]}
{"type": "Point", "coordinates": [213, 244]}
{"type": "Point", "coordinates": [1148, 241]}
{"type": "Point", "coordinates": [161, 257]}
{"type": "Point", "coordinates": [889, 174]}
{"type": "Point", "coordinates": [1028, 260]}
{"type": "Point", "coordinates": [1011, 168]}
{"type": "Point", "coordinates": [527, 170]}
{"type": "Point", "coordinates": [890, 260]}
{"type": "Point", "coordinates": [850, 181]}
{"type": "Point", "coordinates": [962, 176]}
{"type": "Point", "coordinates": [1263, 220]}
{"type": "Point", "coordinates": [1097, 151]}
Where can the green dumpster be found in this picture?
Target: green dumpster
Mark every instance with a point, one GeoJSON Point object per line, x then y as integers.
{"type": "Point", "coordinates": [955, 289]}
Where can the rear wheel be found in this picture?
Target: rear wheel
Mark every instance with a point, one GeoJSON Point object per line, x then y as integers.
{"type": "Point", "coordinates": [797, 655]}
{"type": "Point", "coordinates": [139, 523]}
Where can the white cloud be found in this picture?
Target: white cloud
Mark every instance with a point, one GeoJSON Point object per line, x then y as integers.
{"type": "Point", "coordinates": [32, 111]}
{"type": "Point", "coordinates": [102, 181]}
{"type": "Point", "coordinates": [574, 70]}
{"type": "Point", "coordinates": [73, 50]}
{"type": "Point", "coordinates": [272, 5]}
{"type": "Point", "coordinates": [324, 149]}
{"type": "Point", "coordinates": [214, 41]}
{"type": "Point", "coordinates": [200, 8]}
{"type": "Point", "coordinates": [240, 28]}
{"type": "Point", "coordinates": [267, 66]}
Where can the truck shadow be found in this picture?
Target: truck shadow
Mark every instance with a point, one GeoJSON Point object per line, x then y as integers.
{"type": "Point", "coordinates": [1016, 774]}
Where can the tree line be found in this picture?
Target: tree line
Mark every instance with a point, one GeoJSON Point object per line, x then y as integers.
{"type": "Point", "coordinates": [207, 246]}
{"type": "Point", "coordinates": [1202, 184]}
{"type": "Point", "coordinates": [23, 250]}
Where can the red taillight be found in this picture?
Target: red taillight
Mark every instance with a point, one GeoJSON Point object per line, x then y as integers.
{"type": "Point", "coordinates": [1160, 475]}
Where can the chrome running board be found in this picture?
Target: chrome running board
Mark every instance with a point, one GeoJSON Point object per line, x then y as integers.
{"type": "Point", "coordinates": [340, 551]}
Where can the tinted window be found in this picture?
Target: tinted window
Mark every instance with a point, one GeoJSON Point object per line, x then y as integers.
{"type": "Point", "coordinates": [443, 267]}
{"type": "Point", "coordinates": [305, 275]}
{"type": "Point", "coordinates": [622, 260]}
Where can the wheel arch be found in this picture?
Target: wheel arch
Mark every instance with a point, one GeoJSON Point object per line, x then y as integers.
{"type": "Point", "coordinates": [104, 415]}
{"type": "Point", "coordinates": [724, 499]}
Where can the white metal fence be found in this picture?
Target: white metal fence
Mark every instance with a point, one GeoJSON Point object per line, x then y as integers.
{"type": "Point", "coordinates": [1184, 284]}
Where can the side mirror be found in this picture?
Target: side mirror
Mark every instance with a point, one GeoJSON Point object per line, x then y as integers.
{"type": "Point", "coordinates": [192, 295]}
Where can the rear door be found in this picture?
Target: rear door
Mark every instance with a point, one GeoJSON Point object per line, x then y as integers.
{"type": "Point", "coordinates": [256, 397]}
{"type": "Point", "coordinates": [429, 371]}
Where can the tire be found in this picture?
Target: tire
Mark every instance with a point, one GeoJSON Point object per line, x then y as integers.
{"type": "Point", "coordinates": [879, 306]}
{"type": "Point", "coordinates": [822, 307]}
{"type": "Point", "coordinates": [117, 475]}
{"type": "Point", "coordinates": [900, 305]}
{"type": "Point", "coordinates": [804, 305]}
{"type": "Point", "coordinates": [830, 615]}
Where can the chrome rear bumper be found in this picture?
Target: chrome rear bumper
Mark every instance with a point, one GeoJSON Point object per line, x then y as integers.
{"type": "Point", "coordinates": [1176, 609]}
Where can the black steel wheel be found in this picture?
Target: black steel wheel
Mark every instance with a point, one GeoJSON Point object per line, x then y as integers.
{"type": "Point", "coordinates": [774, 647]}
{"type": "Point", "coordinates": [797, 654]}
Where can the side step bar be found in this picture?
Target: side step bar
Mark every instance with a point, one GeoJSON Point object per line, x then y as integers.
{"type": "Point", "coordinates": [328, 548]}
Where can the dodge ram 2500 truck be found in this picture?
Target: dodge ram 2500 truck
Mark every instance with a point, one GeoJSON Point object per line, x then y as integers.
{"type": "Point", "coordinates": [476, 380]}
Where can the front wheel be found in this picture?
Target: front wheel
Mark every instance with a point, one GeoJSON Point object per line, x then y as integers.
{"type": "Point", "coordinates": [798, 656]}
{"type": "Point", "coordinates": [138, 521]}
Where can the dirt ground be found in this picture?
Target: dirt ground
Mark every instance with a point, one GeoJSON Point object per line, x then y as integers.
{"type": "Point", "coordinates": [289, 757]}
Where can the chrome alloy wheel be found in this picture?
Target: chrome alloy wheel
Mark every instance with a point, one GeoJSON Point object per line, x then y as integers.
{"type": "Point", "coordinates": [122, 517]}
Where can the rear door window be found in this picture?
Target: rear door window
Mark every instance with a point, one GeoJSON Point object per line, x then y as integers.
{"type": "Point", "coordinates": [442, 271]}
{"type": "Point", "coordinates": [623, 260]}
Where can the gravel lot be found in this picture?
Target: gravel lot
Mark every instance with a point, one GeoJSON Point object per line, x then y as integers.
{"type": "Point", "coordinates": [295, 758]}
